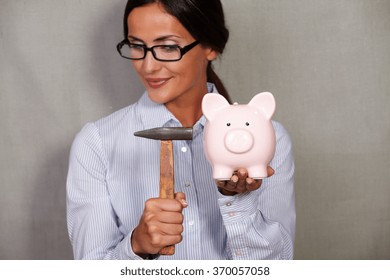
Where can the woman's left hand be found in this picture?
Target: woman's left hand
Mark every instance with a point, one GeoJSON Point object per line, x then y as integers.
{"type": "Point", "coordinates": [240, 182]}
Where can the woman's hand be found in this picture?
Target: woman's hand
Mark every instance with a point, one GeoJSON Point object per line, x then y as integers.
{"type": "Point", "coordinates": [161, 225]}
{"type": "Point", "coordinates": [240, 182]}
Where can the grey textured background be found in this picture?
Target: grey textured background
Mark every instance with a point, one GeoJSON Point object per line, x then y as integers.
{"type": "Point", "coordinates": [327, 63]}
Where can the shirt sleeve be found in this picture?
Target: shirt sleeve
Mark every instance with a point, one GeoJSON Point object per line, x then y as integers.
{"type": "Point", "coordinates": [261, 224]}
{"type": "Point", "coordinates": [92, 222]}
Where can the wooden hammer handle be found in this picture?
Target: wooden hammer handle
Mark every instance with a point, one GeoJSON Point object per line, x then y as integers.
{"type": "Point", "coordinates": [167, 181]}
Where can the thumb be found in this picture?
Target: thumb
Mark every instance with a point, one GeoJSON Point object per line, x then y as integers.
{"type": "Point", "coordinates": [270, 171]}
{"type": "Point", "coordinates": [181, 197]}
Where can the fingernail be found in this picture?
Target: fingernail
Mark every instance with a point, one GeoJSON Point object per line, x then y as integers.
{"type": "Point", "coordinates": [184, 203]}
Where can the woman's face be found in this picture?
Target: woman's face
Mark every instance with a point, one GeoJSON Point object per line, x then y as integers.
{"type": "Point", "coordinates": [168, 83]}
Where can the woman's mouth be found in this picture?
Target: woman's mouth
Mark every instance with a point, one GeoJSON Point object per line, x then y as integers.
{"type": "Point", "coordinates": [156, 82]}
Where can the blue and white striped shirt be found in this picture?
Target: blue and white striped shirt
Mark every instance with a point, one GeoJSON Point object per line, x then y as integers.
{"type": "Point", "coordinates": [112, 174]}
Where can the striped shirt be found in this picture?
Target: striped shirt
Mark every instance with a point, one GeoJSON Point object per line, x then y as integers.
{"type": "Point", "coordinates": [112, 173]}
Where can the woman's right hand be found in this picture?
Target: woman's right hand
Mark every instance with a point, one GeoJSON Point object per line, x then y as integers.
{"type": "Point", "coordinates": [161, 225]}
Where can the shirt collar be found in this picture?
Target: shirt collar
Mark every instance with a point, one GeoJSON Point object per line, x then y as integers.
{"type": "Point", "coordinates": [153, 114]}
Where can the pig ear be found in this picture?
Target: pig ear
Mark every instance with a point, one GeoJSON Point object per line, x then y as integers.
{"type": "Point", "coordinates": [212, 103]}
{"type": "Point", "coordinates": [264, 101]}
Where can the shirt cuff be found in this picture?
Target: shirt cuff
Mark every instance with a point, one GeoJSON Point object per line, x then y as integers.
{"type": "Point", "coordinates": [128, 252]}
{"type": "Point", "coordinates": [239, 207]}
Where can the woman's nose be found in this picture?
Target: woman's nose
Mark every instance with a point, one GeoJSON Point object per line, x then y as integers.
{"type": "Point", "coordinates": [150, 64]}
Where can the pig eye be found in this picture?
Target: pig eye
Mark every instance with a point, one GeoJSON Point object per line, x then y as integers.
{"type": "Point", "coordinates": [228, 124]}
{"type": "Point", "coordinates": [247, 124]}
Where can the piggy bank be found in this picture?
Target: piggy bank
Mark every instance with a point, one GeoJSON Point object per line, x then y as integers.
{"type": "Point", "coordinates": [239, 136]}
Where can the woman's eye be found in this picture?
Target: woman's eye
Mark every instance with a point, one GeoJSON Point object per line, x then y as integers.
{"type": "Point", "coordinates": [136, 47]}
{"type": "Point", "coordinates": [169, 48]}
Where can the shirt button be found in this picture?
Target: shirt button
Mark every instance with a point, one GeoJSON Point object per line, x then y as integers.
{"type": "Point", "coordinates": [238, 253]}
{"type": "Point", "coordinates": [191, 223]}
{"type": "Point", "coordinates": [231, 214]}
{"type": "Point", "coordinates": [184, 149]}
{"type": "Point", "coordinates": [229, 204]}
{"type": "Point", "coordinates": [187, 185]}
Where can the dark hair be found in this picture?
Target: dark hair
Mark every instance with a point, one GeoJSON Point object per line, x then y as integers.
{"type": "Point", "coordinates": [204, 20]}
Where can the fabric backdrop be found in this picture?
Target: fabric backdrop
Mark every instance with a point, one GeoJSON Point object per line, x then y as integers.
{"type": "Point", "coordinates": [326, 62]}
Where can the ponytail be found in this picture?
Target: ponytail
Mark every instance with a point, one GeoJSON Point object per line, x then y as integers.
{"type": "Point", "coordinates": [212, 77]}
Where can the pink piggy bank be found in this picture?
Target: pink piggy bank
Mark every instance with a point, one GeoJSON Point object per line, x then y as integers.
{"type": "Point", "coordinates": [239, 136]}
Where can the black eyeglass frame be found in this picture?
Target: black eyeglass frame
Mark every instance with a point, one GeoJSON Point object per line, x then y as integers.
{"type": "Point", "coordinates": [183, 50]}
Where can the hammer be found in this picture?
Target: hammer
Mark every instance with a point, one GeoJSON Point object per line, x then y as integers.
{"type": "Point", "coordinates": [166, 135]}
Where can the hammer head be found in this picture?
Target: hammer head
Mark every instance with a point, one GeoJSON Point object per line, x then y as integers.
{"type": "Point", "coordinates": [166, 133]}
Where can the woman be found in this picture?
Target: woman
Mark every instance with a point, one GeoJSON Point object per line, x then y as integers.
{"type": "Point", "coordinates": [112, 191]}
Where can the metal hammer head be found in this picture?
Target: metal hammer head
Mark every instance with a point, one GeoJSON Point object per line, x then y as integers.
{"type": "Point", "coordinates": [166, 133]}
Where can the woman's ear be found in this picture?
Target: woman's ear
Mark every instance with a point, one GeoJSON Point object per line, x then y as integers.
{"type": "Point", "coordinates": [211, 54]}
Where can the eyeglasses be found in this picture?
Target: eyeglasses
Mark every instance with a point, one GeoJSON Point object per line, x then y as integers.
{"type": "Point", "coordinates": [160, 52]}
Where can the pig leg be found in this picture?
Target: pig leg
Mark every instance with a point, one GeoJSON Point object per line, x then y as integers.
{"type": "Point", "coordinates": [222, 172]}
{"type": "Point", "coordinates": [257, 172]}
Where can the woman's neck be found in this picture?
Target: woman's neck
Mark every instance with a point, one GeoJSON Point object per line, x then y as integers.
{"type": "Point", "coordinates": [187, 110]}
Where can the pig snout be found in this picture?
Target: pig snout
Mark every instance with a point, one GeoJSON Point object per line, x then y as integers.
{"type": "Point", "coordinates": [239, 141]}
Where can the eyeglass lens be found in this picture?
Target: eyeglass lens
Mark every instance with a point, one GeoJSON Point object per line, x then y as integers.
{"type": "Point", "coordinates": [163, 52]}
